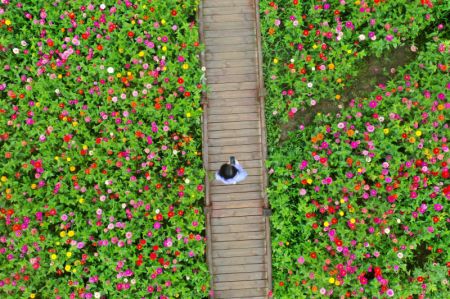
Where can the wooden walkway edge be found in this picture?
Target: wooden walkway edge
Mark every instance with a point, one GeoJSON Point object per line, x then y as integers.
{"type": "Point", "coordinates": [237, 222]}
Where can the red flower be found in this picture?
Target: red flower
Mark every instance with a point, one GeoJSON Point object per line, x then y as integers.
{"type": "Point", "coordinates": [67, 137]}
{"type": "Point", "coordinates": [153, 256]}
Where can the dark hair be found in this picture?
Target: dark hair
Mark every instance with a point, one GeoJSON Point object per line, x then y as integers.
{"type": "Point", "coordinates": [227, 171]}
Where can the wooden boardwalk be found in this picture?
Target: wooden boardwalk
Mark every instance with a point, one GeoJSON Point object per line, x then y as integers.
{"type": "Point", "coordinates": [238, 230]}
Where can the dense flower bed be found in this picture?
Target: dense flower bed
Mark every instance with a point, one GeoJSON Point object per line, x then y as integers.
{"type": "Point", "coordinates": [100, 137]}
{"type": "Point", "coordinates": [359, 198]}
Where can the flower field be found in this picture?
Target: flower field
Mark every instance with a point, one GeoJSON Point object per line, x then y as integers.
{"type": "Point", "coordinates": [359, 191]}
{"type": "Point", "coordinates": [101, 171]}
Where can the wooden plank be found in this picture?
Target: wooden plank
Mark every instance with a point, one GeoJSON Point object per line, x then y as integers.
{"type": "Point", "coordinates": [237, 260]}
{"type": "Point", "coordinates": [244, 284]}
{"type": "Point", "coordinates": [241, 157]}
{"type": "Point", "coordinates": [237, 228]}
{"type": "Point", "coordinates": [243, 55]}
{"type": "Point", "coordinates": [245, 17]}
{"type": "Point", "coordinates": [229, 33]}
{"type": "Point", "coordinates": [239, 268]}
{"type": "Point", "coordinates": [241, 212]}
{"type": "Point", "coordinates": [246, 164]}
{"type": "Point", "coordinates": [233, 133]}
{"type": "Point", "coordinates": [236, 196]}
{"type": "Point", "coordinates": [231, 10]}
{"type": "Point", "coordinates": [234, 140]}
{"type": "Point", "coordinates": [238, 24]}
{"type": "Point", "coordinates": [232, 149]}
{"type": "Point", "coordinates": [234, 188]}
{"type": "Point", "coordinates": [214, 79]}
{"type": "Point", "coordinates": [230, 48]}
{"type": "Point", "coordinates": [237, 220]}
{"type": "Point", "coordinates": [239, 276]}
{"type": "Point", "coordinates": [229, 63]}
{"type": "Point", "coordinates": [241, 96]}
{"type": "Point", "coordinates": [234, 294]}
{"type": "Point", "coordinates": [234, 125]}
{"type": "Point", "coordinates": [245, 70]}
{"type": "Point", "coordinates": [241, 236]}
{"type": "Point", "coordinates": [224, 119]}
{"type": "Point", "coordinates": [230, 40]}
{"type": "Point", "coordinates": [251, 179]}
{"type": "Point", "coordinates": [220, 205]}
{"type": "Point", "coordinates": [232, 86]}
{"type": "Point", "coordinates": [222, 3]}
{"type": "Point", "coordinates": [229, 100]}
{"type": "Point", "coordinates": [238, 252]}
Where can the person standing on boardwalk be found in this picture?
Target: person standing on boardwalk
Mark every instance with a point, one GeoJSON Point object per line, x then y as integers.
{"type": "Point", "coordinates": [231, 172]}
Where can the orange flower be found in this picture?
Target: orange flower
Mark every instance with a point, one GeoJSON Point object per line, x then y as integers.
{"type": "Point", "coordinates": [271, 31]}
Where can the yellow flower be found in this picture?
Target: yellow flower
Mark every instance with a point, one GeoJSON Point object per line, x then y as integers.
{"type": "Point", "coordinates": [188, 114]}
{"type": "Point", "coordinates": [141, 54]}
{"type": "Point", "coordinates": [68, 254]}
{"type": "Point", "coordinates": [352, 220]}
{"type": "Point", "coordinates": [81, 200]}
{"type": "Point", "coordinates": [338, 97]}
{"type": "Point", "coordinates": [85, 147]}
{"type": "Point", "coordinates": [339, 80]}
{"type": "Point", "coordinates": [118, 75]}
{"type": "Point", "coordinates": [326, 224]}
{"type": "Point", "coordinates": [38, 104]}
{"type": "Point", "coordinates": [53, 256]}
{"type": "Point", "coordinates": [33, 186]}
{"type": "Point", "coordinates": [331, 280]}
{"type": "Point", "coordinates": [56, 158]}
{"type": "Point", "coordinates": [133, 22]}
{"type": "Point", "coordinates": [62, 234]}
{"type": "Point", "coordinates": [418, 133]}
{"type": "Point", "coordinates": [59, 76]}
{"type": "Point", "coordinates": [412, 139]}
{"type": "Point", "coordinates": [163, 22]}
{"type": "Point", "coordinates": [4, 178]}
{"type": "Point", "coordinates": [185, 66]}
{"type": "Point", "coordinates": [67, 268]}
{"type": "Point", "coordinates": [386, 131]}
{"type": "Point", "coordinates": [337, 282]}
{"type": "Point", "coordinates": [121, 50]}
{"type": "Point", "coordinates": [32, 295]}
{"type": "Point", "coordinates": [7, 22]}
{"type": "Point", "coordinates": [309, 181]}
{"type": "Point", "coordinates": [275, 60]}
{"type": "Point", "coordinates": [349, 51]}
{"type": "Point", "coordinates": [72, 168]}
{"type": "Point", "coordinates": [71, 233]}
{"type": "Point", "coordinates": [287, 243]}
{"type": "Point", "coordinates": [164, 48]}
{"type": "Point", "coordinates": [75, 123]}
{"type": "Point", "coordinates": [314, 46]}
{"type": "Point", "coordinates": [68, 159]}
{"type": "Point", "coordinates": [342, 200]}
{"type": "Point", "coordinates": [341, 213]}
{"type": "Point", "coordinates": [331, 66]}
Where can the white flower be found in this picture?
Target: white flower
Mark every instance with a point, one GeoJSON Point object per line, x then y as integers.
{"type": "Point", "coordinates": [133, 281]}
{"type": "Point", "coordinates": [16, 51]}
{"type": "Point", "coordinates": [97, 295]}
{"type": "Point", "coordinates": [387, 230]}
{"type": "Point", "coordinates": [400, 255]}
{"type": "Point", "coordinates": [57, 91]}
{"type": "Point", "coordinates": [124, 205]}
{"type": "Point", "coordinates": [398, 220]}
{"type": "Point", "coordinates": [175, 152]}
{"type": "Point", "coordinates": [310, 85]}
{"type": "Point", "coordinates": [292, 60]}
{"type": "Point", "coordinates": [187, 181]}
{"type": "Point", "coordinates": [188, 278]}
{"type": "Point", "coordinates": [203, 69]}
{"type": "Point", "coordinates": [381, 118]}
{"type": "Point", "coordinates": [157, 211]}
{"type": "Point", "coordinates": [362, 37]}
{"type": "Point", "coordinates": [373, 37]}
{"type": "Point", "coordinates": [110, 70]}
{"type": "Point", "coordinates": [313, 68]}
{"type": "Point", "coordinates": [102, 6]}
{"type": "Point", "coordinates": [23, 43]}
{"type": "Point", "coordinates": [125, 279]}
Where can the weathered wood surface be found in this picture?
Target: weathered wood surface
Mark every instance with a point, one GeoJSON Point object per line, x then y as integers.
{"type": "Point", "coordinates": [238, 230]}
